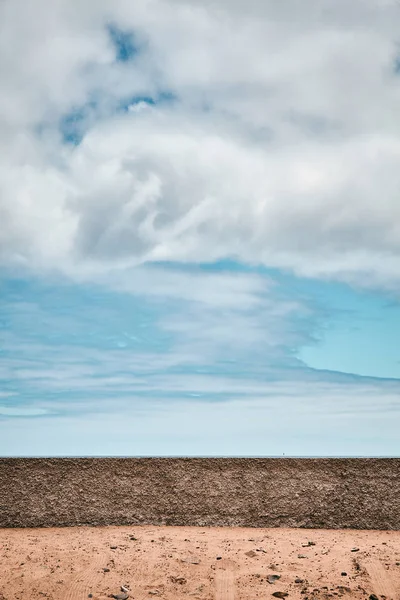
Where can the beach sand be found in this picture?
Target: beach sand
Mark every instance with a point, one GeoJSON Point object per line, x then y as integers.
{"type": "Point", "coordinates": [219, 563]}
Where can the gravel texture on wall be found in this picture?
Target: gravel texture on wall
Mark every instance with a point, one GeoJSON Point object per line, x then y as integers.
{"type": "Point", "coordinates": [251, 492]}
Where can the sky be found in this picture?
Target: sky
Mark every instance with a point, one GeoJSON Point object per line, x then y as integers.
{"type": "Point", "coordinates": [199, 228]}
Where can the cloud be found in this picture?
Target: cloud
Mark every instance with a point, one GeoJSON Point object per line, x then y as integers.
{"type": "Point", "coordinates": [162, 331]}
{"type": "Point", "coordinates": [165, 336]}
{"type": "Point", "coordinates": [281, 146]}
{"type": "Point", "coordinates": [179, 360]}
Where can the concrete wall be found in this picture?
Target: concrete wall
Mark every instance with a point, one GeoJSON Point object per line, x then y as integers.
{"type": "Point", "coordinates": [283, 492]}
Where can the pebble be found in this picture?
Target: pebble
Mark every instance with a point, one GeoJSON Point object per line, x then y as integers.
{"type": "Point", "coordinates": [355, 549]}
{"type": "Point", "coordinates": [180, 580]}
{"type": "Point", "coordinates": [308, 544]}
{"type": "Point", "coordinates": [343, 574]}
{"type": "Point", "coordinates": [298, 580]}
{"type": "Point", "coordinates": [273, 578]}
{"type": "Point", "coordinates": [280, 594]}
{"type": "Point", "coordinates": [122, 596]}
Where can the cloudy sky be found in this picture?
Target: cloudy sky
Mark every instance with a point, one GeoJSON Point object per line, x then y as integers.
{"type": "Point", "coordinates": [199, 227]}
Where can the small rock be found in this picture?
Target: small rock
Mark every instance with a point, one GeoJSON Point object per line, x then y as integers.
{"type": "Point", "coordinates": [298, 580]}
{"type": "Point", "coordinates": [280, 594]}
{"type": "Point", "coordinates": [273, 578]}
{"type": "Point", "coordinates": [106, 570]}
{"type": "Point", "coordinates": [124, 589]}
{"type": "Point", "coordinates": [357, 565]}
{"type": "Point", "coordinates": [343, 574]}
{"type": "Point", "coordinates": [154, 592]}
{"type": "Point", "coordinates": [373, 597]}
{"type": "Point", "coordinates": [301, 556]}
{"type": "Point", "coordinates": [180, 580]}
{"type": "Point", "coordinates": [308, 544]}
{"type": "Point", "coordinates": [219, 557]}
{"type": "Point", "coordinates": [251, 554]}
{"type": "Point", "coordinates": [354, 549]}
{"type": "Point", "coordinates": [122, 596]}
{"type": "Point", "coordinates": [113, 547]}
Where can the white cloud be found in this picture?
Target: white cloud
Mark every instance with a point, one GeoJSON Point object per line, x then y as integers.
{"type": "Point", "coordinates": [165, 331]}
{"type": "Point", "coordinates": [223, 380]}
{"type": "Point", "coordinates": [281, 147]}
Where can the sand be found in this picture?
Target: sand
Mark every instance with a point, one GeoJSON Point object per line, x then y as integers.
{"type": "Point", "coordinates": [205, 563]}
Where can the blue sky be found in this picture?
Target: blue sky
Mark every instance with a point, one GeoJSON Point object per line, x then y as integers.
{"type": "Point", "coordinates": [220, 359]}
{"type": "Point", "coordinates": [199, 229]}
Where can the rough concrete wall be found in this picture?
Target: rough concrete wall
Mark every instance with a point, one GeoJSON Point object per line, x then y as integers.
{"type": "Point", "coordinates": [283, 492]}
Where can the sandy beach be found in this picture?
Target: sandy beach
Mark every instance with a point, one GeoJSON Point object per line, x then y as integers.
{"type": "Point", "coordinates": [206, 563]}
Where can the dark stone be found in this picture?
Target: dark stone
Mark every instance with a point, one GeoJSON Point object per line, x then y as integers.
{"type": "Point", "coordinates": [308, 544]}
{"type": "Point", "coordinates": [180, 580]}
{"type": "Point", "coordinates": [280, 594]}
